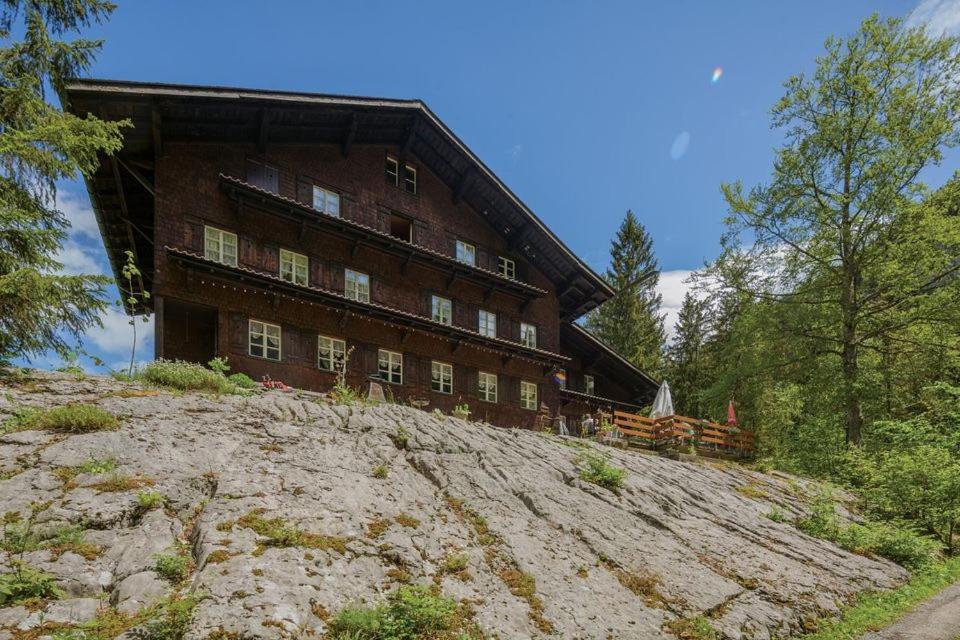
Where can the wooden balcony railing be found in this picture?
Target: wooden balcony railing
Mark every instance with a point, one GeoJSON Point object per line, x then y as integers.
{"type": "Point", "coordinates": [682, 432]}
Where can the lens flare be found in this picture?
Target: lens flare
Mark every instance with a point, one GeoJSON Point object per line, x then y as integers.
{"type": "Point", "coordinates": [717, 72]}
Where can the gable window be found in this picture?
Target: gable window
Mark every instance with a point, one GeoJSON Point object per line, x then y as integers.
{"type": "Point", "coordinates": [589, 384]}
{"type": "Point", "coordinates": [326, 201]}
{"type": "Point", "coordinates": [507, 267]}
{"type": "Point", "coordinates": [220, 245]}
{"type": "Point", "coordinates": [390, 366]}
{"type": "Point", "coordinates": [293, 267]}
{"type": "Point", "coordinates": [466, 252]}
{"type": "Point", "coordinates": [528, 335]}
{"type": "Point", "coordinates": [441, 309]}
{"type": "Point", "coordinates": [263, 175]}
{"type": "Point", "coordinates": [487, 324]}
{"type": "Point", "coordinates": [403, 176]}
{"type": "Point", "coordinates": [528, 395]}
{"type": "Point", "coordinates": [441, 377]}
{"type": "Point", "coordinates": [356, 285]}
{"type": "Point", "coordinates": [401, 227]}
{"type": "Point", "coordinates": [331, 354]}
{"type": "Point", "coordinates": [487, 389]}
{"type": "Point", "coordinates": [264, 340]}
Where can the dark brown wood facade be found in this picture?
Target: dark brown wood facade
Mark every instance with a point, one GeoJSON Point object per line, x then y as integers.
{"type": "Point", "coordinates": [243, 167]}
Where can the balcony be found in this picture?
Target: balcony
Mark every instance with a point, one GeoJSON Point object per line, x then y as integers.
{"type": "Point", "coordinates": [360, 235]}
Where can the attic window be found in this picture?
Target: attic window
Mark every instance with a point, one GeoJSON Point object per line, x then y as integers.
{"type": "Point", "coordinates": [263, 175]}
{"type": "Point", "coordinates": [401, 175]}
{"type": "Point", "coordinates": [401, 227]}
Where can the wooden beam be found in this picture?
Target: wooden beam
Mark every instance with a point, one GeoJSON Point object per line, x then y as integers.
{"type": "Point", "coordinates": [350, 134]}
{"type": "Point", "coordinates": [410, 138]}
{"type": "Point", "coordinates": [463, 185]}
{"type": "Point", "coordinates": [263, 132]}
{"type": "Point", "coordinates": [124, 213]}
{"type": "Point", "coordinates": [568, 287]}
{"type": "Point", "coordinates": [156, 127]}
{"type": "Point", "coordinates": [139, 177]}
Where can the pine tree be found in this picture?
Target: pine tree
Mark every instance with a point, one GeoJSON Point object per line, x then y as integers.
{"type": "Point", "coordinates": [686, 366]}
{"type": "Point", "coordinates": [39, 145]}
{"type": "Point", "coordinates": [631, 322]}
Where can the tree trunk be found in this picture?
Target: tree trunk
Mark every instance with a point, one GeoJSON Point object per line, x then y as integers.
{"type": "Point", "coordinates": [850, 352]}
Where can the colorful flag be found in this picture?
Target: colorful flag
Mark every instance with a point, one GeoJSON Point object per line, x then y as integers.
{"type": "Point", "coordinates": [560, 377]}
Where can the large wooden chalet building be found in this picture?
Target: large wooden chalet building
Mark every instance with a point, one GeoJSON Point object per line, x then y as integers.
{"type": "Point", "coordinates": [286, 230]}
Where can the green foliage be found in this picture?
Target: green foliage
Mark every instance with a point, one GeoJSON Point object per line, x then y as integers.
{"type": "Point", "coordinates": [173, 567]}
{"type": "Point", "coordinates": [243, 381]}
{"type": "Point", "coordinates": [147, 500]}
{"type": "Point", "coordinates": [596, 468]}
{"type": "Point", "coordinates": [41, 309]}
{"type": "Point", "coordinates": [686, 357]}
{"type": "Point", "coordinates": [631, 322]}
{"type": "Point", "coordinates": [869, 538]}
{"type": "Point", "coordinates": [875, 610]}
{"type": "Point", "coordinates": [20, 419]}
{"type": "Point", "coordinates": [410, 613]}
{"type": "Point", "coordinates": [185, 376]}
{"type": "Point", "coordinates": [72, 418]}
{"type": "Point", "coordinates": [97, 466]}
{"type": "Point", "coordinates": [461, 411]}
{"type": "Point", "coordinates": [280, 533]}
{"type": "Point", "coordinates": [26, 582]}
{"type": "Point", "coordinates": [776, 515]}
{"type": "Point", "coordinates": [168, 619]}
{"type": "Point", "coordinates": [380, 471]}
{"type": "Point", "coordinates": [697, 628]}
{"type": "Point", "coordinates": [219, 365]}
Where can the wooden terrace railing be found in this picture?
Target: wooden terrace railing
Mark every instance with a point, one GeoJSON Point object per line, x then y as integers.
{"type": "Point", "coordinates": [681, 432]}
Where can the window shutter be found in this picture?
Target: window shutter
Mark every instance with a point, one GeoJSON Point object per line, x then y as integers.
{"type": "Point", "coordinates": [370, 359]}
{"type": "Point", "coordinates": [410, 369]}
{"type": "Point", "coordinates": [473, 317]}
{"type": "Point", "coordinates": [426, 372]}
{"type": "Point", "coordinates": [248, 253]}
{"type": "Point", "coordinates": [193, 236]}
{"type": "Point", "coordinates": [461, 314]}
{"type": "Point", "coordinates": [238, 332]}
{"type": "Point", "coordinates": [270, 258]}
{"type": "Point", "coordinates": [305, 191]}
{"type": "Point", "coordinates": [290, 343]}
{"type": "Point", "coordinates": [468, 383]}
{"type": "Point", "coordinates": [483, 258]}
{"type": "Point", "coordinates": [335, 276]}
{"type": "Point", "coordinates": [314, 271]}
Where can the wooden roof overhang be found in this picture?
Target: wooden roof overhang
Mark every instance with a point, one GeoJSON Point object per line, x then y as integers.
{"type": "Point", "coordinates": [247, 195]}
{"type": "Point", "coordinates": [457, 336]}
{"type": "Point", "coordinates": [597, 355]}
{"type": "Point", "coordinates": [570, 394]}
{"type": "Point", "coordinates": [121, 189]}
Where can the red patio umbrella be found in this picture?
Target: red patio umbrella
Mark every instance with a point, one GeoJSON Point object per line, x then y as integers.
{"type": "Point", "coordinates": [731, 414]}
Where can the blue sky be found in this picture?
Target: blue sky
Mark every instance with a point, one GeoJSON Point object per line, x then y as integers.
{"type": "Point", "coordinates": [583, 112]}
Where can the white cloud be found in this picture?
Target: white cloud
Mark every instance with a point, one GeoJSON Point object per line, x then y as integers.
{"type": "Point", "coordinates": [680, 144]}
{"type": "Point", "coordinates": [76, 259]}
{"type": "Point", "coordinates": [673, 285]}
{"type": "Point", "coordinates": [116, 335]}
{"type": "Point", "coordinates": [940, 16]}
{"type": "Point", "coordinates": [77, 209]}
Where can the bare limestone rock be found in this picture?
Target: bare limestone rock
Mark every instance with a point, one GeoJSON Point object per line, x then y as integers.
{"type": "Point", "coordinates": [685, 536]}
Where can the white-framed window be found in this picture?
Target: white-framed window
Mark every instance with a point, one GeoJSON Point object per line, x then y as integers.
{"type": "Point", "coordinates": [441, 310]}
{"type": "Point", "coordinates": [356, 285]}
{"type": "Point", "coordinates": [293, 267]}
{"type": "Point", "coordinates": [264, 340]}
{"type": "Point", "coordinates": [220, 245]}
{"type": "Point", "coordinates": [487, 386]}
{"type": "Point", "coordinates": [441, 377]}
{"type": "Point", "coordinates": [466, 253]}
{"type": "Point", "coordinates": [528, 395]}
{"type": "Point", "coordinates": [390, 366]}
{"type": "Point", "coordinates": [404, 176]}
{"type": "Point", "coordinates": [331, 353]}
{"type": "Point", "coordinates": [589, 384]}
{"type": "Point", "coordinates": [528, 335]}
{"type": "Point", "coordinates": [326, 201]}
{"type": "Point", "coordinates": [507, 267]}
{"type": "Point", "coordinates": [487, 323]}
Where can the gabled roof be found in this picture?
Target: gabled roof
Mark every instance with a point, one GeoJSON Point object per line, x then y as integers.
{"type": "Point", "coordinates": [165, 112]}
{"type": "Point", "coordinates": [575, 338]}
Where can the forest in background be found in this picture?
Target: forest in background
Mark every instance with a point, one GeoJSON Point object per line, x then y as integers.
{"type": "Point", "coordinates": [832, 315]}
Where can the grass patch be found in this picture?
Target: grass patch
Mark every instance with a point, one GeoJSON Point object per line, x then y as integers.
{"type": "Point", "coordinates": [243, 381]}
{"type": "Point", "coordinates": [218, 556]}
{"type": "Point", "coordinates": [279, 533]}
{"type": "Point", "coordinates": [697, 628]}
{"type": "Point", "coordinates": [406, 520]}
{"type": "Point", "coordinates": [869, 538]}
{"type": "Point", "coordinates": [377, 527]}
{"type": "Point", "coordinates": [380, 471]}
{"type": "Point", "coordinates": [26, 583]}
{"type": "Point", "coordinates": [596, 468]}
{"type": "Point", "coordinates": [185, 376]}
{"type": "Point", "coordinates": [94, 466]}
{"type": "Point", "coordinates": [643, 584]}
{"type": "Point", "coordinates": [69, 418]}
{"type": "Point", "coordinates": [19, 536]}
{"type": "Point", "coordinates": [165, 620]}
{"type": "Point", "coordinates": [456, 565]}
{"type": "Point", "coordinates": [524, 586]}
{"type": "Point", "coordinates": [873, 611]}
{"type": "Point", "coordinates": [776, 515]}
{"type": "Point", "coordinates": [409, 613]}
{"type": "Point", "coordinates": [120, 482]}
{"type": "Point", "coordinates": [147, 500]}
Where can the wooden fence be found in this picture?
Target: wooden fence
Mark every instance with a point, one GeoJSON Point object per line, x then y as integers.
{"type": "Point", "coordinates": [682, 432]}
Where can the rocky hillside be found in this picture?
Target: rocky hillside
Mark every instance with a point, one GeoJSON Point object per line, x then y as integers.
{"type": "Point", "coordinates": [277, 510]}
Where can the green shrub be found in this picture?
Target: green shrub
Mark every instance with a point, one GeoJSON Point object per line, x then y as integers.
{"type": "Point", "coordinates": [776, 515]}
{"type": "Point", "coordinates": [96, 466]}
{"type": "Point", "coordinates": [185, 376]}
{"type": "Point", "coordinates": [901, 545]}
{"type": "Point", "coordinates": [26, 582]}
{"type": "Point", "coordinates": [148, 500]}
{"type": "Point", "coordinates": [173, 567]}
{"type": "Point", "coordinates": [411, 612]}
{"type": "Point", "coordinates": [698, 628]}
{"type": "Point", "coordinates": [20, 419]}
{"type": "Point", "coordinates": [380, 471]}
{"type": "Point", "coordinates": [73, 418]}
{"type": "Point", "coordinates": [596, 468]}
{"type": "Point", "coordinates": [243, 381]}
